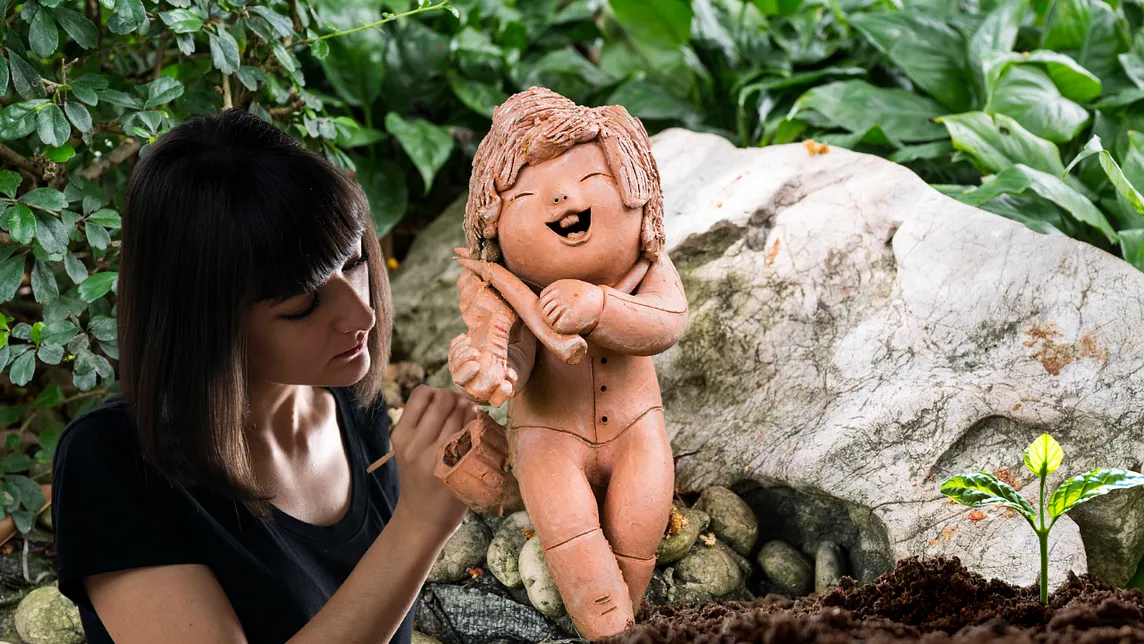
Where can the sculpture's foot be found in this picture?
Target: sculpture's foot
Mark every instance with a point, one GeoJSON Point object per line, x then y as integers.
{"type": "Point", "coordinates": [474, 465]}
{"type": "Point", "coordinates": [637, 574]}
{"type": "Point", "coordinates": [591, 585]}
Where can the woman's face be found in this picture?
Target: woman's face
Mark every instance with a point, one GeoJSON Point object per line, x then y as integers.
{"type": "Point", "coordinates": [316, 338]}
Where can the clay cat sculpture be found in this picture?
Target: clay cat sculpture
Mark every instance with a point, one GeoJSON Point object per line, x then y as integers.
{"type": "Point", "coordinates": [567, 294]}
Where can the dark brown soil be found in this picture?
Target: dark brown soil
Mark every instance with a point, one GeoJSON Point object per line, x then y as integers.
{"type": "Point", "coordinates": [935, 601]}
{"type": "Point", "coordinates": [456, 449]}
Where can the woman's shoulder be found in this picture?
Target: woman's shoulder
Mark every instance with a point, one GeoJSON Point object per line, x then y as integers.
{"type": "Point", "coordinates": [102, 432]}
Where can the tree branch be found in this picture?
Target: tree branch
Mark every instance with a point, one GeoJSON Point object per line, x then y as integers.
{"type": "Point", "coordinates": [125, 151]}
{"type": "Point", "coordinates": [16, 159]}
{"type": "Point", "coordinates": [227, 100]}
{"type": "Point", "coordinates": [161, 53]}
{"type": "Point", "coordinates": [286, 110]}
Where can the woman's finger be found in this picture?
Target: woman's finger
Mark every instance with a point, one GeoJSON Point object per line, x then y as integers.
{"type": "Point", "coordinates": [419, 400]}
{"type": "Point", "coordinates": [429, 426]}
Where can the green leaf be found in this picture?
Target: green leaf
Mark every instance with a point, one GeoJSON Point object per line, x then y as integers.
{"type": "Point", "coordinates": [1133, 64]}
{"type": "Point", "coordinates": [3, 76]}
{"type": "Point", "coordinates": [44, 286]}
{"type": "Point", "coordinates": [997, 33]}
{"type": "Point", "coordinates": [859, 106]}
{"type": "Point", "coordinates": [1074, 82]}
{"type": "Point", "coordinates": [1087, 31]}
{"type": "Point", "coordinates": [85, 88]}
{"type": "Point", "coordinates": [129, 16]}
{"type": "Point", "coordinates": [482, 98]}
{"type": "Point", "coordinates": [283, 56]}
{"type": "Point", "coordinates": [1131, 246]}
{"type": "Point", "coordinates": [320, 49]}
{"type": "Point", "coordinates": [34, 335]}
{"type": "Point", "coordinates": [282, 25]}
{"type": "Point", "coordinates": [115, 97]}
{"type": "Point", "coordinates": [97, 235]}
{"type": "Point", "coordinates": [10, 414]}
{"type": "Point", "coordinates": [22, 224]}
{"type": "Point", "coordinates": [182, 21]}
{"type": "Point", "coordinates": [982, 488]}
{"type": "Point", "coordinates": [163, 90]}
{"type": "Point", "coordinates": [59, 332]}
{"type": "Point", "coordinates": [997, 142]}
{"type": "Point", "coordinates": [651, 101]}
{"type": "Point", "coordinates": [1044, 456]}
{"type": "Point", "coordinates": [78, 115]}
{"type": "Point", "coordinates": [1132, 162]}
{"type": "Point", "coordinates": [97, 286]}
{"type": "Point", "coordinates": [51, 233]}
{"type": "Point", "coordinates": [51, 396]}
{"type": "Point", "coordinates": [61, 154]}
{"type": "Point", "coordinates": [934, 150]}
{"type": "Point", "coordinates": [74, 268]}
{"type": "Point", "coordinates": [45, 199]}
{"type": "Point", "coordinates": [1119, 181]}
{"type": "Point", "coordinates": [107, 218]}
{"type": "Point", "coordinates": [665, 24]}
{"type": "Point", "coordinates": [15, 462]}
{"type": "Point", "coordinates": [1090, 485]}
{"type": "Point", "coordinates": [30, 495]}
{"type": "Point", "coordinates": [10, 181]}
{"type": "Point", "coordinates": [385, 186]}
{"type": "Point", "coordinates": [25, 78]}
{"type": "Point", "coordinates": [11, 274]}
{"type": "Point", "coordinates": [427, 145]}
{"type": "Point", "coordinates": [930, 52]}
{"type": "Point", "coordinates": [224, 51]}
{"type": "Point", "coordinates": [102, 328]}
{"type": "Point", "coordinates": [81, 30]}
{"type": "Point", "coordinates": [43, 35]}
{"type": "Point", "coordinates": [251, 77]}
{"type": "Point", "coordinates": [777, 7]}
{"type": "Point", "coordinates": [1018, 178]}
{"type": "Point", "coordinates": [1027, 94]}
{"type": "Point", "coordinates": [50, 354]}
{"type": "Point", "coordinates": [23, 369]}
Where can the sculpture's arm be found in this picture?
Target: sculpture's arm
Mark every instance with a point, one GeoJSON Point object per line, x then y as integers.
{"type": "Point", "coordinates": [521, 354]}
{"type": "Point", "coordinates": [650, 320]}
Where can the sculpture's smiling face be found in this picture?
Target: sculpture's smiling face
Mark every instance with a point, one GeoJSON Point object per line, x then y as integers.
{"type": "Point", "coordinates": [565, 219]}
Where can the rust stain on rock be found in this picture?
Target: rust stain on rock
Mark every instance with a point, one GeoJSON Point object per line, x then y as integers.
{"type": "Point", "coordinates": [774, 251]}
{"type": "Point", "coordinates": [1054, 354]}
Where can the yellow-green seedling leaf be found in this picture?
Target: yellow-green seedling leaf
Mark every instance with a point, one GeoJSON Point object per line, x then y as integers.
{"type": "Point", "coordinates": [982, 488]}
{"type": "Point", "coordinates": [1044, 456]}
{"type": "Point", "coordinates": [1090, 485]}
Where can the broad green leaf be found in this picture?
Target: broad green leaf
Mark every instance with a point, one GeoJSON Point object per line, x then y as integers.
{"type": "Point", "coordinates": [1091, 484]}
{"type": "Point", "coordinates": [1131, 246]}
{"type": "Point", "coordinates": [51, 396]}
{"type": "Point", "coordinates": [224, 51]}
{"type": "Point", "coordinates": [356, 63]}
{"type": "Point", "coordinates": [1133, 161]}
{"type": "Point", "coordinates": [857, 106]}
{"type": "Point", "coordinates": [102, 328]}
{"type": "Point", "coordinates": [74, 268]}
{"type": "Point", "coordinates": [106, 217]}
{"type": "Point", "coordinates": [997, 142]}
{"type": "Point", "coordinates": [115, 97]}
{"type": "Point", "coordinates": [43, 35]}
{"type": "Point", "coordinates": [44, 286]}
{"type": "Point", "coordinates": [283, 56]}
{"type": "Point", "coordinates": [251, 77]}
{"type": "Point", "coordinates": [1133, 65]}
{"type": "Point", "coordinates": [45, 198]}
{"type": "Point", "coordinates": [186, 43]}
{"type": "Point", "coordinates": [97, 235]}
{"type": "Point", "coordinates": [3, 76]}
{"type": "Point", "coordinates": [10, 181]}
{"type": "Point", "coordinates": [15, 463]}
{"type": "Point", "coordinates": [11, 274]}
{"type": "Point", "coordinates": [61, 154]}
{"type": "Point", "coordinates": [929, 51]}
{"type": "Point", "coordinates": [30, 495]}
{"type": "Point", "coordinates": [1027, 94]}
{"type": "Point", "coordinates": [1018, 178]}
{"type": "Point", "coordinates": [427, 145]}
{"type": "Point", "coordinates": [1074, 82]}
{"type": "Point", "coordinates": [664, 23]}
{"type": "Point", "coordinates": [482, 98]}
{"type": "Point", "coordinates": [997, 33]}
{"type": "Point", "coordinates": [1115, 175]}
{"type": "Point", "coordinates": [982, 488]}
{"type": "Point", "coordinates": [81, 30]}
{"type": "Point", "coordinates": [25, 78]}
{"type": "Point", "coordinates": [78, 115]}
{"type": "Point", "coordinates": [934, 150]}
{"type": "Point", "coordinates": [777, 7]}
{"type": "Point", "coordinates": [564, 71]}
{"type": "Point", "coordinates": [23, 368]}
{"type": "Point", "coordinates": [51, 233]}
{"type": "Point", "coordinates": [385, 186]}
{"type": "Point", "coordinates": [1088, 32]}
{"type": "Point", "coordinates": [1044, 456]}
{"type": "Point", "coordinates": [22, 224]}
{"type": "Point", "coordinates": [282, 25]}
{"type": "Point", "coordinates": [650, 101]}
{"type": "Point", "coordinates": [182, 21]}
{"type": "Point", "coordinates": [320, 49]}
{"type": "Point", "coordinates": [97, 286]}
{"type": "Point", "coordinates": [84, 381]}
{"type": "Point", "coordinates": [10, 414]}
{"type": "Point", "coordinates": [163, 90]}
{"type": "Point", "coordinates": [129, 15]}
{"type": "Point", "coordinates": [34, 334]}
{"type": "Point", "coordinates": [59, 332]}
{"type": "Point", "coordinates": [85, 88]}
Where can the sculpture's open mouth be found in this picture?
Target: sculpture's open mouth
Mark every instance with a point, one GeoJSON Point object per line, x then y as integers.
{"type": "Point", "coordinates": [573, 227]}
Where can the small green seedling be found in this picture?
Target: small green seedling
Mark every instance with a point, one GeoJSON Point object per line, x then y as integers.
{"type": "Point", "coordinates": [1042, 458]}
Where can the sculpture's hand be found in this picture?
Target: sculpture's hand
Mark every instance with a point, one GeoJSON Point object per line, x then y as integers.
{"type": "Point", "coordinates": [572, 306]}
{"type": "Point", "coordinates": [484, 377]}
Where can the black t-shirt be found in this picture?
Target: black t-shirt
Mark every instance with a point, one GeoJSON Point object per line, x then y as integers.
{"type": "Point", "coordinates": [113, 511]}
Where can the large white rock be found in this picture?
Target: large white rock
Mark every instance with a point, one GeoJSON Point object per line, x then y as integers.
{"type": "Point", "coordinates": [855, 339]}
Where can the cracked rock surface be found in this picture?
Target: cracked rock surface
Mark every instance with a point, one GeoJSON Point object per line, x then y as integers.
{"type": "Point", "coordinates": [857, 337]}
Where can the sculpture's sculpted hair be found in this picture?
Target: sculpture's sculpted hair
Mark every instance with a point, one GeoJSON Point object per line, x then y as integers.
{"type": "Point", "coordinates": [537, 125]}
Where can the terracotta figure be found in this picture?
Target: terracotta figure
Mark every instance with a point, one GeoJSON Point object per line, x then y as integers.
{"type": "Point", "coordinates": [568, 293]}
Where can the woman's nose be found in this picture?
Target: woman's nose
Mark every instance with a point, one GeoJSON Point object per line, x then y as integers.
{"type": "Point", "coordinates": [356, 311]}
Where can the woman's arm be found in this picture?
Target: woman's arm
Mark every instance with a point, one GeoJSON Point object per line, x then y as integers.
{"type": "Point", "coordinates": [186, 603]}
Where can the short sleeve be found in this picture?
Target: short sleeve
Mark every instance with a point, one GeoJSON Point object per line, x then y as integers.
{"type": "Point", "coordinates": [110, 511]}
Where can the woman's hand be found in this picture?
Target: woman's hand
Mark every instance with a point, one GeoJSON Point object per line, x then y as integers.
{"type": "Point", "coordinates": [431, 417]}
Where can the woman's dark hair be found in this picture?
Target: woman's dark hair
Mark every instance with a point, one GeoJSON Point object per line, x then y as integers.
{"type": "Point", "coordinates": [226, 210]}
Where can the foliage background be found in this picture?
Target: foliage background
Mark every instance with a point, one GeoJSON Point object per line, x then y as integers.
{"type": "Point", "coordinates": [987, 100]}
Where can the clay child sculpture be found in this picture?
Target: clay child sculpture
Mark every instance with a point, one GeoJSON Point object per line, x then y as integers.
{"type": "Point", "coordinates": [568, 293]}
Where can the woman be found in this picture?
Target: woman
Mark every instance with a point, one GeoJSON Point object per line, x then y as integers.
{"type": "Point", "coordinates": [223, 497]}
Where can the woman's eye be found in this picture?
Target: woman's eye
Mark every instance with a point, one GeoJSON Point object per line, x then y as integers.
{"type": "Point", "coordinates": [305, 313]}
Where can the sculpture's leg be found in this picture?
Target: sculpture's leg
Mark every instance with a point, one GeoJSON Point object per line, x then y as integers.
{"type": "Point", "coordinates": [549, 466]}
{"type": "Point", "coordinates": [638, 501]}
